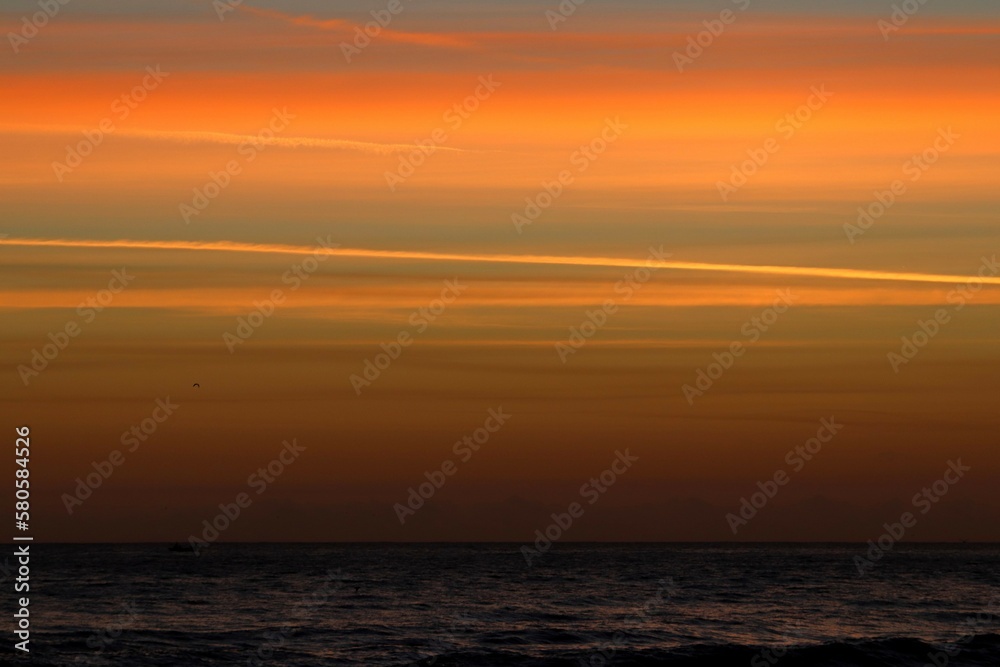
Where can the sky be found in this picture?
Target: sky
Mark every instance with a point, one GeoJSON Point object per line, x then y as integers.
{"type": "Point", "coordinates": [691, 232]}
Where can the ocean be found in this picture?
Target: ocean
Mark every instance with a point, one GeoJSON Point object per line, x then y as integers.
{"type": "Point", "coordinates": [304, 605]}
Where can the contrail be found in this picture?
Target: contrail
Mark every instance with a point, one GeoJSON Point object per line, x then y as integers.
{"type": "Point", "coordinates": [198, 137]}
{"type": "Point", "coordinates": [285, 142]}
{"type": "Point", "coordinates": [558, 260]}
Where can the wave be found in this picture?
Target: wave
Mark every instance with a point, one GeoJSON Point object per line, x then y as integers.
{"type": "Point", "coordinates": [206, 649]}
{"type": "Point", "coordinates": [980, 651]}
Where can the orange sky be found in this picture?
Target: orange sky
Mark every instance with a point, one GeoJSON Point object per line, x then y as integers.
{"type": "Point", "coordinates": [661, 142]}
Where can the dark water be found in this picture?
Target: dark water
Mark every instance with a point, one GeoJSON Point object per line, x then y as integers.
{"type": "Point", "coordinates": [305, 605]}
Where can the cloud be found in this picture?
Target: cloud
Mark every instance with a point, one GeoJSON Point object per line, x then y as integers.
{"type": "Point", "coordinates": [552, 260]}
{"type": "Point", "coordinates": [342, 25]}
{"type": "Point", "coordinates": [202, 137]}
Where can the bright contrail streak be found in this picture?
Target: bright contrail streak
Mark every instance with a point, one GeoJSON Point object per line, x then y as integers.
{"type": "Point", "coordinates": [284, 142]}
{"type": "Point", "coordinates": [226, 138]}
{"type": "Point", "coordinates": [774, 270]}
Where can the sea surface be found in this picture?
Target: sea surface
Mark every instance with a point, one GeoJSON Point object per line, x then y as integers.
{"type": "Point", "coordinates": [481, 605]}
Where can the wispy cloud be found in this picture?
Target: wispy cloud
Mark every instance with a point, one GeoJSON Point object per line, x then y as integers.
{"type": "Point", "coordinates": [342, 25]}
{"type": "Point", "coordinates": [203, 137]}
{"type": "Point", "coordinates": [552, 260]}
